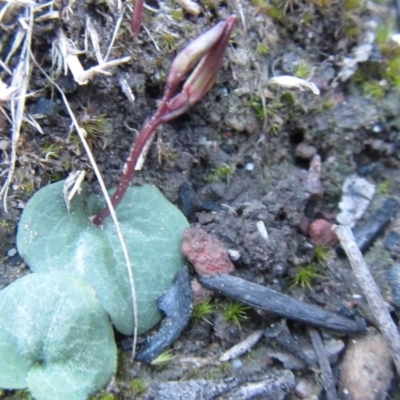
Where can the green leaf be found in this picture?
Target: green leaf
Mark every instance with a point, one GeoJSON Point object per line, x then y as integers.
{"type": "Point", "coordinates": [51, 238]}
{"type": "Point", "coordinates": [55, 338]}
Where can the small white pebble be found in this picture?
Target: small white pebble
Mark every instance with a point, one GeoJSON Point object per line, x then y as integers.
{"type": "Point", "coordinates": [237, 364]}
{"type": "Point", "coordinates": [396, 38]}
{"type": "Point", "coordinates": [4, 144]}
{"type": "Point", "coordinates": [262, 230]}
{"type": "Point", "coordinates": [377, 128]}
{"type": "Point", "coordinates": [12, 252]}
{"type": "Point", "coordinates": [249, 166]}
{"type": "Point", "coordinates": [304, 389]}
{"type": "Point", "coordinates": [234, 254]}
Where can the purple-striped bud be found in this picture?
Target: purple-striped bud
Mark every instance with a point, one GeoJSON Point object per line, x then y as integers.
{"type": "Point", "coordinates": [203, 77]}
{"type": "Point", "coordinates": [192, 53]}
{"type": "Point", "coordinates": [208, 53]}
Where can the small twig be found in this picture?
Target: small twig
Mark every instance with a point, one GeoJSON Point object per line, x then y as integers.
{"type": "Point", "coordinates": [371, 292]}
{"type": "Point", "coordinates": [326, 371]}
{"type": "Point", "coordinates": [242, 347]}
{"type": "Point", "coordinates": [120, 16]}
{"type": "Point", "coordinates": [281, 334]}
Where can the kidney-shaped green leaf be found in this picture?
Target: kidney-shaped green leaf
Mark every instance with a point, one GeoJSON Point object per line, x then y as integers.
{"type": "Point", "coordinates": [52, 238]}
{"type": "Point", "coordinates": [55, 338]}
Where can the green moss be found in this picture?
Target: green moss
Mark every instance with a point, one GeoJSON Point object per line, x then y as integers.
{"type": "Point", "coordinates": [321, 254]}
{"type": "Point", "coordinates": [328, 103]}
{"type": "Point", "coordinates": [103, 395]}
{"type": "Point", "coordinates": [52, 150]}
{"type": "Point", "coordinates": [303, 70]}
{"type": "Point", "coordinates": [210, 4]}
{"type": "Point", "coordinates": [163, 359]}
{"type": "Point", "coordinates": [169, 41]}
{"type": "Point", "coordinates": [385, 187]}
{"type": "Point", "coordinates": [321, 3]}
{"type": "Point", "coordinates": [373, 89]}
{"type": "Point", "coordinates": [235, 312]}
{"type": "Point", "coordinates": [262, 49]}
{"type": "Point", "coordinates": [55, 176]}
{"type": "Point", "coordinates": [392, 72]}
{"type": "Point", "coordinates": [22, 394]}
{"type": "Point", "coordinates": [257, 107]}
{"type": "Point", "coordinates": [350, 5]}
{"type": "Point", "coordinates": [224, 172]}
{"type": "Point", "coordinates": [305, 276]}
{"type": "Point", "coordinates": [138, 386]}
{"type": "Point", "coordinates": [94, 125]}
{"type": "Point", "coordinates": [383, 33]}
{"type": "Point", "coordinates": [29, 187]}
{"type": "Point", "coordinates": [204, 309]}
{"type": "Point", "coordinates": [177, 14]}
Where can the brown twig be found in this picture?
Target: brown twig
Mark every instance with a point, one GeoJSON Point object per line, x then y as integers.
{"type": "Point", "coordinates": [326, 371]}
{"type": "Point", "coordinates": [371, 292]}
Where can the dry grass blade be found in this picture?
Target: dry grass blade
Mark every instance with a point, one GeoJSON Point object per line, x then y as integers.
{"type": "Point", "coordinates": [73, 186]}
{"type": "Point", "coordinates": [18, 39]}
{"type": "Point", "coordinates": [81, 134]}
{"type": "Point", "coordinates": [6, 91]}
{"type": "Point", "coordinates": [120, 10]}
{"type": "Point", "coordinates": [95, 40]}
{"type": "Point", "coordinates": [11, 4]}
{"type": "Point", "coordinates": [20, 81]}
{"type": "Point", "coordinates": [66, 49]}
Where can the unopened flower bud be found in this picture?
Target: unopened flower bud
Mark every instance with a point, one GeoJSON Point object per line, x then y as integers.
{"type": "Point", "coordinates": [209, 53]}
{"type": "Point", "coordinates": [203, 77]}
{"type": "Point", "coordinates": [193, 52]}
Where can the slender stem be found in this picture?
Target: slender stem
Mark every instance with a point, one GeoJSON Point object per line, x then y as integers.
{"type": "Point", "coordinates": [129, 167]}
{"type": "Point", "coordinates": [197, 85]}
{"type": "Point", "coordinates": [136, 21]}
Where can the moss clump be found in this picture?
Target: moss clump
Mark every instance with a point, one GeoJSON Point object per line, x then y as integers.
{"type": "Point", "coordinates": [305, 276]}
{"type": "Point", "coordinates": [236, 312]}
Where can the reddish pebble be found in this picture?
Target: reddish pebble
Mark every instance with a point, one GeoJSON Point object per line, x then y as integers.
{"type": "Point", "coordinates": [206, 253]}
{"type": "Point", "coordinates": [321, 233]}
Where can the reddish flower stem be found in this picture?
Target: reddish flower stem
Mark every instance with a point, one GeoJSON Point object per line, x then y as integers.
{"type": "Point", "coordinates": [136, 21]}
{"type": "Point", "coordinates": [197, 85]}
{"type": "Point", "coordinates": [129, 167]}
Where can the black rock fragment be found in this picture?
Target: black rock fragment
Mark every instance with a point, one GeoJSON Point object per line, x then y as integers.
{"type": "Point", "coordinates": [176, 304]}
{"type": "Point", "coordinates": [188, 199]}
{"type": "Point", "coordinates": [45, 107]}
{"type": "Point", "coordinates": [190, 203]}
{"type": "Point", "coordinates": [392, 244]}
{"type": "Point", "coordinates": [280, 304]}
{"type": "Point", "coordinates": [367, 233]}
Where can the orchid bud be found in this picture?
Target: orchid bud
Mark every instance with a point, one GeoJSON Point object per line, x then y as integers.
{"type": "Point", "coordinates": [192, 53]}
{"type": "Point", "coordinates": [203, 77]}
